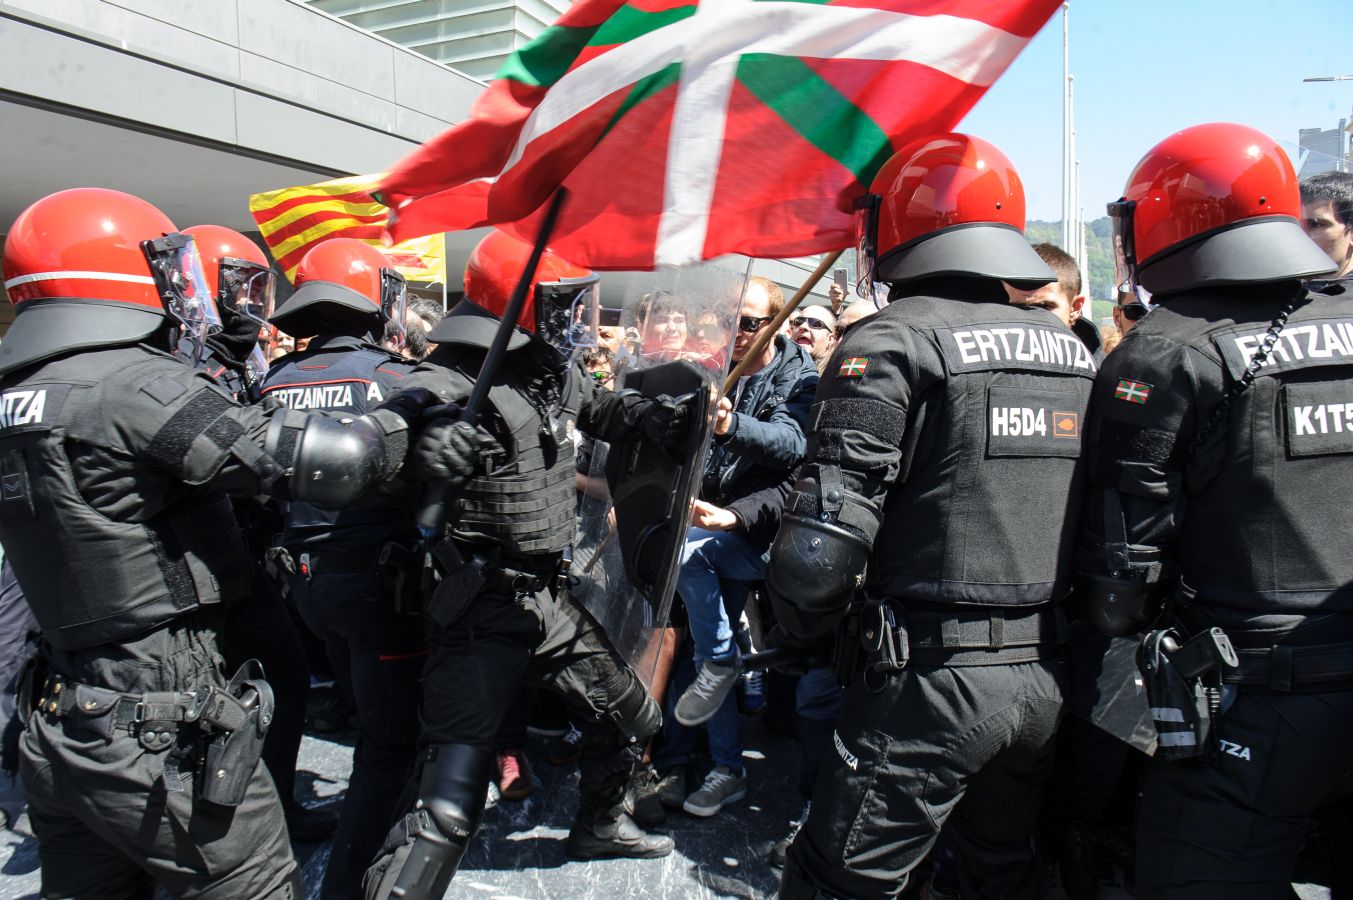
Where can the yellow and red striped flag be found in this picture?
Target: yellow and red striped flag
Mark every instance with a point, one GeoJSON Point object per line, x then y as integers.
{"type": "Point", "coordinates": [292, 220]}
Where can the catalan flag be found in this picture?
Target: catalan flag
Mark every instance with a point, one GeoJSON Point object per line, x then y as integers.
{"type": "Point", "coordinates": [292, 220]}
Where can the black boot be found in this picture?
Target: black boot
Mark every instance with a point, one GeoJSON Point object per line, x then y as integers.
{"type": "Point", "coordinates": [614, 835]}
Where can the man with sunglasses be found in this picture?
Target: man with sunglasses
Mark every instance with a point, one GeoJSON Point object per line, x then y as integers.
{"type": "Point", "coordinates": [759, 439]}
{"type": "Point", "coordinates": [1128, 311]}
{"type": "Point", "coordinates": [814, 329]}
{"type": "Point", "coordinates": [347, 296]}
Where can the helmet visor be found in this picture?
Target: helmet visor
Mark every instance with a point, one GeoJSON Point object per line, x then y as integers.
{"type": "Point", "coordinates": [866, 245]}
{"type": "Point", "coordinates": [568, 314]}
{"type": "Point", "coordinates": [394, 301]}
{"type": "Point", "coordinates": [1124, 253]}
{"type": "Point", "coordinates": [248, 289]}
{"type": "Point", "coordinates": [182, 286]}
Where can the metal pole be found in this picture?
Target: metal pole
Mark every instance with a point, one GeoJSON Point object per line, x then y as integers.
{"type": "Point", "coordinates": [1066, 127]}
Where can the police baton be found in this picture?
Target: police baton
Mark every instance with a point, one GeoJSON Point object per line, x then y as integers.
{"type": "Point", "coordinates": [432, 514]}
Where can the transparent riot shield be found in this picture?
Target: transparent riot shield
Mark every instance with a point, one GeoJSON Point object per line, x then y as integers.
{"type": "Point", "coordinates": [674, 336]}
{"type": "Point", "coordinates": [1107, 688]}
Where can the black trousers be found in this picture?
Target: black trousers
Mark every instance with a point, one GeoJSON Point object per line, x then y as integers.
{"type": "Point", "coordinates": [500, 641]}
{"type": "Point", "coordinates": [107, 824]}
{"type": "Point", "coordinates": [259, 627]}
{"type": "Point", "coordinates": [377, 658]}
{"type": "Point", "coordinates": [1231, 827]}
{"type": "Point", "coordinates": [967, 746]}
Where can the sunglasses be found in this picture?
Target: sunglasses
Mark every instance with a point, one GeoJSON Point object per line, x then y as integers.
{"type": "Point", "coordinates": [752, 324]}
{"type": "Point", "coordinates": [1133, 311]}
{"type": "Point", "coordinates": [800, 321]}
{"type": "Point", "coordinates": [601, 377]}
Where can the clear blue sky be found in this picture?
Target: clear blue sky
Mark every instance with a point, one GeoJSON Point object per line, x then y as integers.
{"type": "Point", "coordinates": [1146, 68]}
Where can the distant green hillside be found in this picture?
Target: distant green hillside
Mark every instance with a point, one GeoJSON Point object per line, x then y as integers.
{"type": "Point", "coordinates": [1097, 243]}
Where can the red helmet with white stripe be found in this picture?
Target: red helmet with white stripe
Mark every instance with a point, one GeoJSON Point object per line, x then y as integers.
{"type": "Point", "coordinates": [91, 267]}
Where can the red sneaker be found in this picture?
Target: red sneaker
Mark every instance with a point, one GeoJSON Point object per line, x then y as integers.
{"type": "Point", "coordinates": [514, 778]}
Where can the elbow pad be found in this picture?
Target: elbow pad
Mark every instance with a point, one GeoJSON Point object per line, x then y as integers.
{"type": "Point", "coordinates": [338, 459]}
{"type": "Point", "coordinates": [1116, 606]}
{"type": "Point", "coordinates": [817, 562]}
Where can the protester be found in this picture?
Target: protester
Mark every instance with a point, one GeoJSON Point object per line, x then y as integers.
{"type": "Point", "coordinates": [1062, 298]}
{"type": "Point", "coordinates": [1327, 217]}
{"type": "Point", "coordinates": [814, 329]}
{"type": "Point", "coordinates": [1128, 311]}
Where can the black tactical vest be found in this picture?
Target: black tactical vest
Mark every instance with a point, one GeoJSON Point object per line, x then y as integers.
{"type": "Point", "coordinates": [1268, 509]}
{"type": "Point", "coordinates": [526, 504]}
{"type": "Point", "coordinates": [339, 374]}
{"type": "Point", "coordinates": [983, 510]}
{"type": "Point", "coordinates": [106, 543]}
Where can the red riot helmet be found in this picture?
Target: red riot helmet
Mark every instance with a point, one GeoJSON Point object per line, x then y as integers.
{"type": "Point", "coordinates": [236, 270]}
{"type": "Point", "coordinates": [91, 267]}
{"type": "Point", "coordinates": [343, 286]}
{"type": "Point", "coordinates": [561, 306]}
{"type": "Point", "coordinates": [949, 204]}
{"type": "Point", "coordinates": [1212, 205]}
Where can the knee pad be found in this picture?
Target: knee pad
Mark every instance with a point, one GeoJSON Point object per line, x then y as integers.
{"type": "Point", "coordinates": [452, 788]}
{"type": "Point", "coordinates": [451, 795]}
{"type": "Point", "coordinates": [630, 707]}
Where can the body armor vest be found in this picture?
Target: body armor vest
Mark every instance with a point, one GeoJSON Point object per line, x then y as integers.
{"type": "Point", "coordinates": [1269, 495]}
{"type": "Point", "coordinates": [985, 505]}
{"type": "Point", "coordinates": [136, 547]}
{"type": "Point", "coordinates": [526, 504]}
{"type": "Point", "coordinates": [339, 374]}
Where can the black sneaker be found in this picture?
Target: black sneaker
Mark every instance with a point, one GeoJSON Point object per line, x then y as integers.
{"type": "Point", "coordinates": [674, 786]}
{"type": "Point", "coordinates": [618, 838]}
{"type": "Point", "coordinates": [565, 750]}
{"type": "Point", "coordinates": [641, 797]}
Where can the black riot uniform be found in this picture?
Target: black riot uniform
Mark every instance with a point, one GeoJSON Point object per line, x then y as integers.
{"type": "Point", "coordinates": [1222, 487]}
{"type": "Point", "coordinates": [141, 760]}
{"type": "Point", "coordinates": [502, 615]}
{"type": "Point", "coordinates": [943, 478]}
{"type": "Point", "coordinates": [346, 597]}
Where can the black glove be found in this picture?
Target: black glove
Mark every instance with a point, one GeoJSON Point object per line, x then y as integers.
{"type": "Point", "coordinates": [667, 421]}
{"type": "Point", "coordinates": [452, 452]}
{"type": "Point", "coordinates": [409, 405]}
{"type": "Point", "coordinates": [237, 338]}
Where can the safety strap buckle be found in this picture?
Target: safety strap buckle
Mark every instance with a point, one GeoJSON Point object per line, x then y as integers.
{"type": "Point", "coordinates": [883, 639]}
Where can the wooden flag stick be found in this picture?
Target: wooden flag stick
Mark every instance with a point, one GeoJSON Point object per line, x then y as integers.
{"type": "Point", "coordinates": [768, 335]}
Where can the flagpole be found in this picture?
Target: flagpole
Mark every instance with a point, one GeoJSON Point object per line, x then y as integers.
{"type": "Point", "coordinates": [446, 272]}
{"type": "Point", "coordinates": [1066, 128]}
{"type": "Point", "coordinates": [768, 335]}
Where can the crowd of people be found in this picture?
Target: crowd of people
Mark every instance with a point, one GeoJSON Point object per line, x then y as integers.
{"type": "Point", "coordinates": [1038, 591]}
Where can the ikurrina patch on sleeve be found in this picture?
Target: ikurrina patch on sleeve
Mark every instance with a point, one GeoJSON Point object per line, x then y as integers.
{"type": "Point", "coordinates": [853, 367]}
{"type": "Point", "coordinates": [1132, 391]}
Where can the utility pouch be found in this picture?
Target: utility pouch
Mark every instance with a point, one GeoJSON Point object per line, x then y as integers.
{"type": "Point", "coordinates": [1184, 689]}
{"type": "Point", "coordinates": [462, 578]}
{"type": "Point", "coordinates": [238, 717]}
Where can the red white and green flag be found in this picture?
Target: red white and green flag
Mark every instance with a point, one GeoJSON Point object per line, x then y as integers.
{"type": "Point", "coordinates": [687, 129]}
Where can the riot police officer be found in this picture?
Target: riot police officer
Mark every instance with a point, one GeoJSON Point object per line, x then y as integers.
{"type": "Point", "coordinates": [942, 479]}
{"type": "Point", "coordinates": [140, 763]}
{"type": "Point", "coordinates": [1221, 477]}
{"type": "Point", "coordinates": [346, 293]}
{"type": "Point", "coordinates": [498, 615]}
{"type": "Point", "coordinates": [258, 625]}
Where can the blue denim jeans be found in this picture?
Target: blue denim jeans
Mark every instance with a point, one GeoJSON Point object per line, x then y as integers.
{"type": "Point", "coordinates": [708, 557]}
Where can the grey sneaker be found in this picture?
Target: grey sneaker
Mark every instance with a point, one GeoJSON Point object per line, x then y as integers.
{"type": "Point", "coordinates": [722, 786]}
{"type": "Point", "coordinates": [704, 697]}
